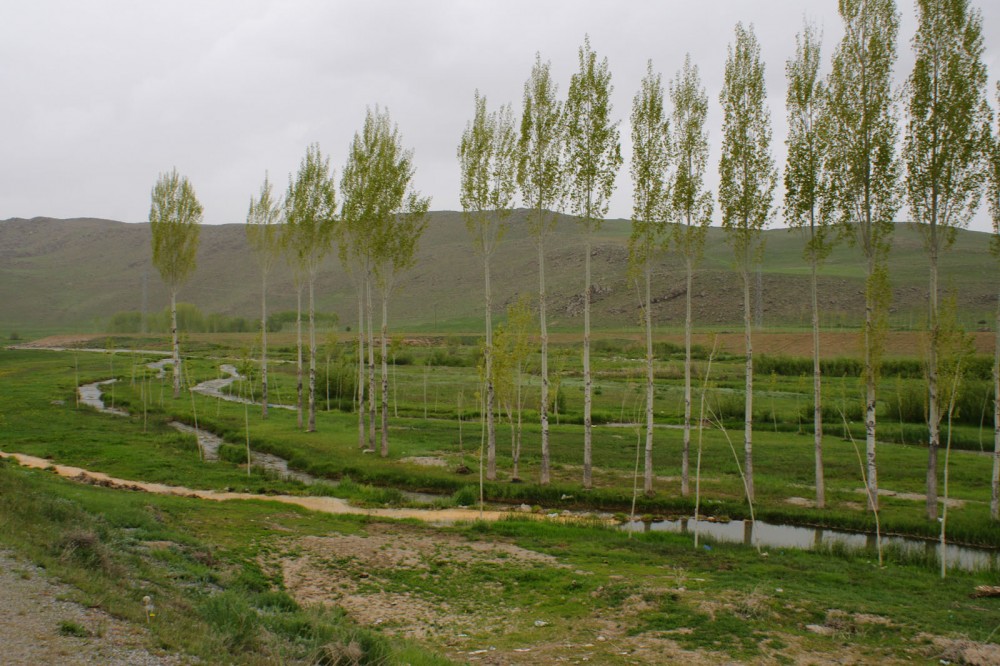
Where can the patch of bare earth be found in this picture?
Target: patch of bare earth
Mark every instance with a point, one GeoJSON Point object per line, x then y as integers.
{"type": "Point", "coordinates": [39, 625]}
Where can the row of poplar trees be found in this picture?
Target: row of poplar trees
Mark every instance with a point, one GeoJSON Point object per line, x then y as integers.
{"type": "Point", "coordinates": [375, 227]}
{"type": "Point", "coordinates": [843, 181]}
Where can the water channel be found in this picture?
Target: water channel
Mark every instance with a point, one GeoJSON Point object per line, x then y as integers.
{"type": "Point", "coordinates": [759, 533]}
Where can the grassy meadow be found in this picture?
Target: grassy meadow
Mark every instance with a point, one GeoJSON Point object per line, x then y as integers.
{"type": "Point", "coordinates": [260, 583]}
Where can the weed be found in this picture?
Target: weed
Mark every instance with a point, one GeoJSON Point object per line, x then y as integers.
{"type": "Point", "coordinates": [74, 629]}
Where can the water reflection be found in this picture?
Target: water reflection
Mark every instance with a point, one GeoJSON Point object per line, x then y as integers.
{"type": "Point", "coordinates": [769, 535]}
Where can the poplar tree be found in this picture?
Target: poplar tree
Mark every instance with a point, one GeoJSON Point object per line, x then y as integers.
{"type": "Point", "coordinates": [263, 220]}
{"type": "Point", "coordinates": [747, 178]}
{"type": "Point", "coordinates": [863, 171]}
{"type": "Point", "coordinates": [804, 183]}
{"type": "Point", "coordinates": [691, 208]}
{"type": "Point", "coordinates": [310, 215]}
{"type": "Point", "coordinates": [947, 128]}
{"type": "Point", "coordinates": [383, 207]}
{"type": "Point", "coordinates": [487, 156]}
{"type": "Point", "coordinates": [650, 205]}
{"type": "Point", "coordinates": [174, 219]}
{"type": "Point", "coordinates": [541, 181]}
{"type": "Point", "coordinates": [593, 157]}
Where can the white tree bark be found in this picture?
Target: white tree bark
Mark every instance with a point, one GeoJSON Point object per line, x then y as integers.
{"type": "Point", "coordinates": [648, 477]}
{"type": "Point", "coordinates": [748, 417]}
{"type": "Point", "coordinates": [686, 448]}
{"type": "Point", "coordinates": [933, 400]}
{"type": "Point", "coordinates": [587, 379]}
{"type": "Point", "coordinates": [817, 399]}
{"type": "Point", "coordinates": [491, 434]}
{"type": "Point", "coordinates": [371, 365]}
{"type": "Point", "coordinates": [361, 367]}
{"type": "Point", "coordinates": [544, 474]}
{"type": "Point", "coordinates": [263, 346]}
{"type": "Point", "coordinates": [175, 343]}
{"type": "Point", "coordinates": [870, 334]}
{"type": "Point", "coordinates": [312, 354]}
{"type": "Point", "coordinates": [385, 374]}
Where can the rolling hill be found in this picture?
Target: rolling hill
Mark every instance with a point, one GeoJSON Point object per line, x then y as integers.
{"type": "Point", "coordinates": [75, 274]}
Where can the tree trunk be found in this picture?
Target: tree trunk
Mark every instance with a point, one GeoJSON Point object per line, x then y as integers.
{"type": "Point", "coordinates": [933, 401]}
{"type": "Point", "coordinates": [298, 347]}
{"type": "Point", "coordinates": [263, 346]}
{"type": "Point", "coordinates": [361, 367]}
{"type": "Point", "coordinates": [544, 334]}
{"type": "Point", "coordinates": [491, 433]}
{"type": "Point", "coordinates": [870, 334]}
{"type": "Point", "coordinates": [175, 343]}
{"type": "Point", "coordinates": [371, 365]}
{"type": "Point", "coordinates": [647, 483]}
{"type": "Point", "coordinates": [995, 500]}
{"type": "Point", "coordinates": [748, 417]}
{"type": "Point", "coordinates": [312, 354]}
{"type": "Point", "coordinates": [817, 397]}
{"type": "Point", "coordinates": [385, 373]}
{"type": "Point", "coordinates": [587, 379]}
{"type": "Point", "coordinates": [686, 447]}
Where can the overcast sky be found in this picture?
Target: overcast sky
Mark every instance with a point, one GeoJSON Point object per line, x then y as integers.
{"type": "Point", "coordinates": [97, 98]}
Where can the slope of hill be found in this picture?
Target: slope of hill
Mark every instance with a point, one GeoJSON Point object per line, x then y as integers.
{"type": "Point", "coordinates": [76, 274]}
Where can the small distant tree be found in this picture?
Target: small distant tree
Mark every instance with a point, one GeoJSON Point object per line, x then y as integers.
{"type": "Point", "coordinates": [310, 214]}
{"type": "Point", "coordinates": [511, 347]}
{"type": "Point", "coordinates": [747, 179]}
{"type": "Point", "coordinates": [263, 231]}
{"type": "Point", "coordinates": [174, 219]}
{"type": "Point", "coordinates": [593, 157]}
{"type": "Point", "coordinates": [863, 172]}
{"type": "Point", "coordinates": [947, 129]}
{"type": "Point", "coordinates": [691, 206]}
{"type": "Point", "coordinates": [650, 167]}
{"type": "Point", "coordinates": [487, 157]}
{"type": "Point", "coordinates": [804, 180]}
{"type": "Point", "coordinates": [540, 177]}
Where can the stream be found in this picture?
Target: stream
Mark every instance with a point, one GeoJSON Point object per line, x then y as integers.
{"type": "Point", "coordinates": [209, 443]}
{"type": "Point", "coordinates": [759, 533]}
{"type": "Point", "coordinates": [770, 535]}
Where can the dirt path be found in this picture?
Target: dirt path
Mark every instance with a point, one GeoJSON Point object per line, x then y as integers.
{"type": "Point", "coordinates": [38, 626]}
{"type": "Point", "coordinates": [331, 505]}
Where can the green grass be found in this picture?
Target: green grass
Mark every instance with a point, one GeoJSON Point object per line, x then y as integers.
{"type": "Point", "coordinates": [214, 572]}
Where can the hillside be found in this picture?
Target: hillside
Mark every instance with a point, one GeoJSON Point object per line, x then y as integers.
{"type": "Point", "coordinates": [75, 274]}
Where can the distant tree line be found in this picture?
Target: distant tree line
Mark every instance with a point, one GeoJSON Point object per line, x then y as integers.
{"type": "Point", "coordinates": [190, 319]}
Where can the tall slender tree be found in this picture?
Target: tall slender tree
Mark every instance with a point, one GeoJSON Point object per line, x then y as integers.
{"type": "Point", "coordinates": [863, 171]}
{"type": "Point", "coordinates": [747, 178]}
{"type": "Point", "coordinates": [948, 125]}
{"type": "Point", "coordinates": [540, 177]}
{"type": "Point", "coordinates": [691, 208]}
{"type": "Point", "coordinates": [593, 157]}
{"type": "Point", "coordinates": [263, 230]}
{"type": "Point", "coordinates": [993, 153]}
{"type": "Point", "coordinates": [650, 206]}
{"type": "Point", "coordinates": [311, 218]}
{"type": "Point", "coordinates": [377, 189]}
{"type": "Point", "coordinates": [804, 179]}
{"type": "Point", "coordinates": [174, 219]}
{"type": "Point", "coordinates": [487, 156]}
